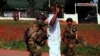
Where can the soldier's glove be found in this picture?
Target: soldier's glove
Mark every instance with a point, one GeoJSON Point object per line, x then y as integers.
{"type": "Point", "coordinates": [74, 30]}
{"type": "Point", "coordinates": [76, 41]}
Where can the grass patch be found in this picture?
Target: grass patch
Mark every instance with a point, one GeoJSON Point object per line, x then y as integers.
{"type": "Point", "coordinates": [14, 23]}
{"type": "Point", "coordinates": [13, 45]}
{"type": "Point", "coordinates": [88, 27]}
{"type": "Point", "coordinates": [87, 50]}
{"type": "Point", "coordinates": [82, 49]}
{"type": "Point", "coordinates": [26, 23]}
{"type": "Point", "coordinates": [45, 49]}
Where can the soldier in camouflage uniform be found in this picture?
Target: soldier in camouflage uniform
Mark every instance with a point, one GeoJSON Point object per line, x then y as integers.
{"type": "Point", "coordinates": [70, 37]}
{"type": "Point", "coordinates": [36, 36]}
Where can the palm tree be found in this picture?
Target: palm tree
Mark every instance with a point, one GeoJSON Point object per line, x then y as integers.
{"type": "Point", "coordinates": [30, 8]}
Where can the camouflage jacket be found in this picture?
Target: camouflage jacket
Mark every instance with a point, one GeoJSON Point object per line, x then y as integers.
{"type": "Point", "coordinates": [38, 32]}
{"type": "Point", "coordinates": [70, 31]}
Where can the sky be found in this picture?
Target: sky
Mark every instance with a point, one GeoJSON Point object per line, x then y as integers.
{"type": "Point", "coordinates": [95, 1]}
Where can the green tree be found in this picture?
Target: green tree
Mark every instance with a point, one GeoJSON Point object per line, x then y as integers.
{"type": "Point", "coordinates": [31, 4]}
{"type": "Point", "coordinates": [2, 4]}
{"type": "Point", "coordinates": [99, 6]}
{"type": "Point", "coordinates": [69, 6]}
{"type": "Point", "coordinates": [38, 4]}
{"type": "Point", "coordinates": [46, 5]}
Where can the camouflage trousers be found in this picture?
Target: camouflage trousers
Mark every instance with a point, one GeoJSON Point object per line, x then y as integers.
{"type": "Point", "coordinates": [35, 49]}
{"type": "Point", "coordinates": [70, 44]}
{"type": "Point", "coordinates": [35, 44]}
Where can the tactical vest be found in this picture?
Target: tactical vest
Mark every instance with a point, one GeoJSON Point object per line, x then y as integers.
{"type": "Point", "coordinates": [70, 31]}
{"type": "Point", "coordinates": [38, 32]}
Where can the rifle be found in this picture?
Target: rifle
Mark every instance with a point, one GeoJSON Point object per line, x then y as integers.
{"type": "Point", "coordinates": [43, 35]}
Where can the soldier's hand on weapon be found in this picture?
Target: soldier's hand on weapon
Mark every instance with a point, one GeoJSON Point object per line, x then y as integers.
{"type": "Point", "coordinates": [30, 43]}
{"type": "Point", "coordinates": [76, 39]}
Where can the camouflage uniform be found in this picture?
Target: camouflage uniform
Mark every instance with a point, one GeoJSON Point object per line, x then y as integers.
{"type": "Point", "coordinates": [37, 34]}
{"type": "Point", "coordinates": [70, 39]}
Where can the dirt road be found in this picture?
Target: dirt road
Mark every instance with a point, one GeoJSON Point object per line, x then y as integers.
{"type": "Point", "coordinates": [16, 53]}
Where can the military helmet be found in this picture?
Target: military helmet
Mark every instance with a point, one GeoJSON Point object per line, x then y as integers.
{"type": "Point", "coordinates": [41, 16]}
{"type": "Point", "coordinates": [69, 19]}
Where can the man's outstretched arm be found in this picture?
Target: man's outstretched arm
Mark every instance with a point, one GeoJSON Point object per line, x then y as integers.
{"type": "Point", "coordinates": [55, 12]}
{"type": "Point", "coordinates": [52, 22]}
